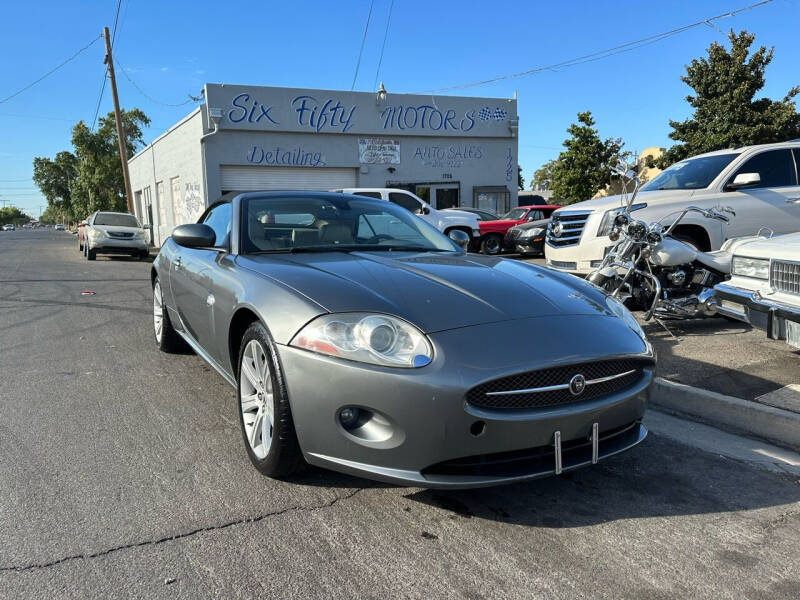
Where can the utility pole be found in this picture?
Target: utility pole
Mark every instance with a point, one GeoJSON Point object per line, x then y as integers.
{"type": "Point", "coordinates": [123, 153]}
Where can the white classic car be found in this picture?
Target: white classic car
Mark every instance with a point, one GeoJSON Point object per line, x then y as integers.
{"type": "Point", "coordinates": [764, 289]}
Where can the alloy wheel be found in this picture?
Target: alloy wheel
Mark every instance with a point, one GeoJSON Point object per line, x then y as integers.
{"type": "Point", "coordinates": [158, 311]}
{"type": "Point", "coordinates": [255, 398]}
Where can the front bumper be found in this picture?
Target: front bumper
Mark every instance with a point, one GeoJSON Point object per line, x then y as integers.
{"type": "Point", "coordinates": [532, 246]}
{"type": "Point", "coordinates": [581, 258]}
{"type": "Point", "coordinates": [752, 308]}
{"type": "Point", "coordinates": [430, 439]}
{"type": "Point", "coordinates": [107, 245]}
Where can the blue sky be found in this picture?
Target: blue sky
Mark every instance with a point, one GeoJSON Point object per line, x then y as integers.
{"type": "Point", "coordinates": [170, 48]}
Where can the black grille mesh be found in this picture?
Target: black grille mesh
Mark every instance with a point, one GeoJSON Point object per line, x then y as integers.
{"type": "Point", "coordinates": [557, 376]}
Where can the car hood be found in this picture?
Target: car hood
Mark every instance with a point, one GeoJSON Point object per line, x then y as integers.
{"type": "Point", "coordinates": [435, 292]}
{"type": "Point", "coordinates": [117, 228]}
{"type": "Point", "coordinates": [499, 223]}
{"type": "Point", "coordinates": [608, 202]}
{"type": "Point", "coordinates": [532, 224]}
{"type": "Point", "coordinates": [781, 247]}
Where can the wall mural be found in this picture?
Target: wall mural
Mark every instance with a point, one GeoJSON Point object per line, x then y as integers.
{"type": "Point", "coordinates": [193, 205]}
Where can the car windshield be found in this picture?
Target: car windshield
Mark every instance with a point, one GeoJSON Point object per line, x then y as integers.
{"type": "Point", "coordinates": [334, 223]}
{"type": "Point", "coordinates": [118, 220]}
{"type": "Point", "coordinates": [692, 174]}
{"type": "Point", "coordinates": [515, 214]}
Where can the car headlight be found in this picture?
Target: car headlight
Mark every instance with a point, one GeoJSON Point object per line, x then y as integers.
{"type": "Point", "coordinates": [529, 233]}
{"type": "Point", "coordinates": [607, 224]}
{"type": "Point", "coordinates": [757, 268]}
{"type": "Point", "coordinates": [140, 235]}
{"type": "Point", "coordinates": [96, 233]}
{"type": "Point", "coordinates": [616, 307]}
{"type": "Point", "coordinates": [366, 337]}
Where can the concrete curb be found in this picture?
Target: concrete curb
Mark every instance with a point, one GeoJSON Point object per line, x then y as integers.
{"type": "Point", "coordinates": [775, 425]}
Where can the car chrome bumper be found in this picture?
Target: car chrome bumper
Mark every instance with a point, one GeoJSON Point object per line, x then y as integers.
{"type": "Point", "coordinates": [752, 308]}
{"type": "Point", "coordinates": [430, 440]}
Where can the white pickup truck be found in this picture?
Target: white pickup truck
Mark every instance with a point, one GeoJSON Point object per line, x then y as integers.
{"type": "Point", "coordinates": [759, 182]}
{"type": "Point", "coordinates": [444, 220]}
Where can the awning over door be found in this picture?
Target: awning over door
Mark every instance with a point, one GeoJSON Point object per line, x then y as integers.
{"type": "Point", "coordinates": [286, 178]}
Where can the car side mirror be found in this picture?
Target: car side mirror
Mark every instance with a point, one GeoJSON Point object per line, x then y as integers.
{"type": "Point", "coordinates": [422, 210]}
{"type": "Point", "coordinates": [459, 238]}
{"type": "Point", "coordinates": [744, 180]}
{"type": "Point", "coordinates": [194, 235]}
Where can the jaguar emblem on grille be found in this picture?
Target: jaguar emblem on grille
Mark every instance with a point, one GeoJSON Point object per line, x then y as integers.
{"type": "Point", "coordinates": [577, 384]}
{"type": "Point", "coordinates": [558, 229]}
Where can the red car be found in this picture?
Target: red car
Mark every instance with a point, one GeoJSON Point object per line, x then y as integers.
{"type": "Point", "coordinates": [494, 232]}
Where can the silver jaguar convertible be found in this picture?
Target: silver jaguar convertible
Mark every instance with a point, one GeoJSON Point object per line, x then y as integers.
{"type": "Point", "coordinates": [361, 339]}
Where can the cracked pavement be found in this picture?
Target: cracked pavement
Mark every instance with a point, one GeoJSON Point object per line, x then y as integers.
{"type": "Point", "coordinates": [122, 475]}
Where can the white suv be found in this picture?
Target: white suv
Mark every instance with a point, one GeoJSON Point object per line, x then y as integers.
{"type": "Point", "coordinates": [759, 182]}
{"type": "Point", "coordinates": [444, 220]}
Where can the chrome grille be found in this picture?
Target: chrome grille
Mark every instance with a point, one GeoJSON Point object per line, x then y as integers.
{"type": "Point", "coordinates": [514, 391]}
{"type": "Point", "coordinates": [120, 234]}
{"type": "Point", "coordinates": [571, 226]}
{"type": "Point", "coordinates": [513, 233]}
{"type": "Point", "coordinates": [784, 276]}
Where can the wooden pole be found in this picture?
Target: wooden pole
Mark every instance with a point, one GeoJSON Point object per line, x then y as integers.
{"type": "Point", "coordinates": [123, 153]}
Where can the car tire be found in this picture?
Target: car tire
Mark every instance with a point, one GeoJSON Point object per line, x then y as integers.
{"type": "Point", "coordinates": [80, 246]}
{"type": "Point", "coordinates": [167, 339]}
{"type": "Point", "coordinates": [91, 254]}
{"type": "Point", "coordinates": [492, 245]}
{"type": "Point", "coordinates": [265, 416]}
{"type": "Point", "coordinates": [143, 254]}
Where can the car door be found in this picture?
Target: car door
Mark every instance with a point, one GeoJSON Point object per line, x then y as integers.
{"type": "Point", "coordinates": [774, 202]}
{"type": "Point", "coordinates": [193, 275]}
{"type": "Point", "coordinates": [412, 204]}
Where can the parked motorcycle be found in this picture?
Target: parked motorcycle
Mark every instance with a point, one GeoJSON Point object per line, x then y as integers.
{"type": "Point", "coordinates": [650, 269]}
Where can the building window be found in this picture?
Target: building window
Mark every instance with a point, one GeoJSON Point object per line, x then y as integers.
{"type": "Point", "coordinates": [494, 198]}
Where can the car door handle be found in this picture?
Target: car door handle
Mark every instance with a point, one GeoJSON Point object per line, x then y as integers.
{"type": "Point", "coordinates": [177, 263]}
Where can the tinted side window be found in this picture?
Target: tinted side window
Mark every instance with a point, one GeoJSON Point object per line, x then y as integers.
{"type": "Point", "coordinates": [535, 215]}
{"type": "Point", "coordinates": [405, 201]}
{"type": "Point", "coordinates": [775, 167]}
{"type": "Point", "coordinates": [219, 219]}
{"type": "Point", "coordinates": [370, 194]}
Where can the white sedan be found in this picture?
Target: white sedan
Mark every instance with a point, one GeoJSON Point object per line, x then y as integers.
{"type": "Point", "coordinates": [764, 289]}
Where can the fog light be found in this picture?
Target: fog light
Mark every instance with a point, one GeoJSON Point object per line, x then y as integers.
{"type": "Point", "coordinates": [348, 417]}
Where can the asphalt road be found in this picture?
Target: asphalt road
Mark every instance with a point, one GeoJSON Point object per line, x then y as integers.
{"type": "Point", "coordinates": [122, 474]}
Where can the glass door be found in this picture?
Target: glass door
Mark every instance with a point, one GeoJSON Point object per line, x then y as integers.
{"type": "Point", "coordinates": [444, 196]}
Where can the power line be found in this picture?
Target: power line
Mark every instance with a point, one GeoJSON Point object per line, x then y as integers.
{"type": "Point", "coordinates": [363, 39]}
{"type": "Point", "coordinates": [15, 180]}
{"type": "Point", "coordinates": [100, 99]}
{"type": "Point", "coordinates": [116, 19]}
{"type": "Point", "coordinates": [51, 71]}
{"type": "Point", "coordinates": [603, 53]}
{"type": "Point", "coordinates": [146, 95]}
{"type": "Point", "coordinates": [383, 46]}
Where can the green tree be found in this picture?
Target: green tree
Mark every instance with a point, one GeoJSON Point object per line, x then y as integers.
{"type": "Point", "coordinates": [584, 167]}
{"type": "Point", "coordinates": [92, 178]}
{"type": "Point", "coordinates": [726, 113]}
{"type": "Point", "coordinates": [13, 215]}
{"type": "Point", "coordinates": [520, 178]}
{"type": "Point", "coordinates": [56, 179]}
{"type": "Point", "coordinates": [543, 176]}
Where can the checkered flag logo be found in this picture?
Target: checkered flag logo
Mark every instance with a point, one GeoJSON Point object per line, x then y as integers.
{"type": "Point", "coordinates": [500, 114]}
{"type": "Point", "coordinates": [485, 113]}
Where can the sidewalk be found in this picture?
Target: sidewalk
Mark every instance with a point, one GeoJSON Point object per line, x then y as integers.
{"type": "Point", "coordinates": [729, 375]}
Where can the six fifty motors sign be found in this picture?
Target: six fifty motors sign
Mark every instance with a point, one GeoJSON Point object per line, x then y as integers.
{"type": "Point", "coordinates": [377, 151]}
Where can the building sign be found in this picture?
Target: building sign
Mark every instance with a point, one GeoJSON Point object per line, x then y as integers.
{"type": "Point", "coordinates": [360, 113]}
{"type": "Point", "coordinates": [375, 151]}
{"type": "Point", "coordinates": [290, 157]}
{"type": "Point", "coordinates": [452, 156]}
